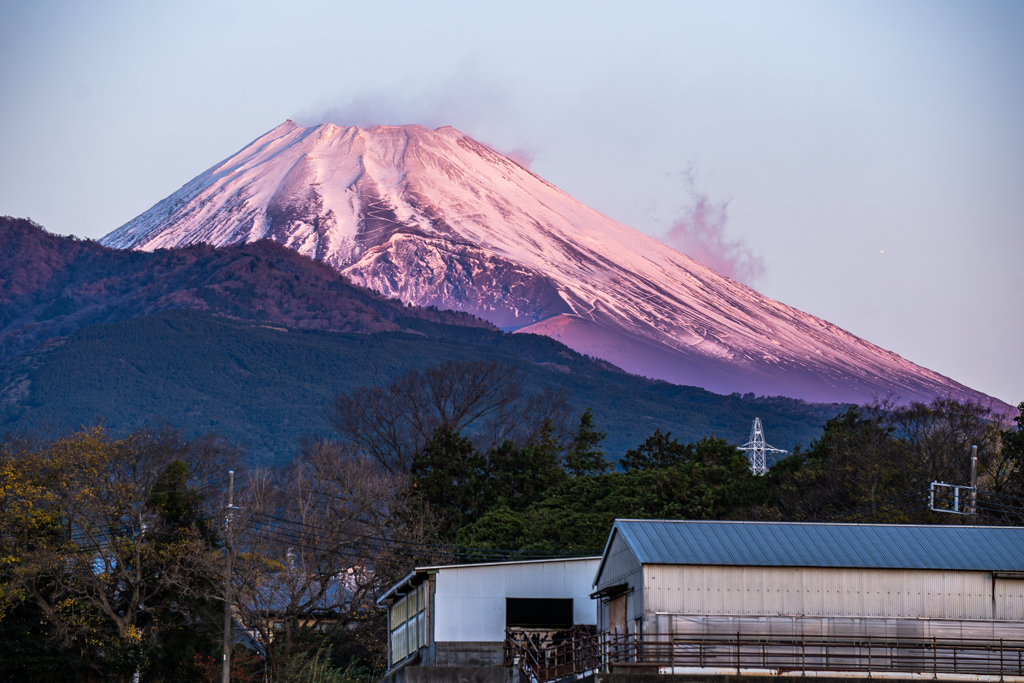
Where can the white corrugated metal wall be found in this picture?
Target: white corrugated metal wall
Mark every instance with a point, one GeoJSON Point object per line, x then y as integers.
{"type": "Point", "coordinates": [828, 592]}
{"type": "Point", "coordinates": [469, 602]}
{"type": "Point", "coordinates": [1009, 598]}
{"type": "Point", "coordinates": [888, 628]}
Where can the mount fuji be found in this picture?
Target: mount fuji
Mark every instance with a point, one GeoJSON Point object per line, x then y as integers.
{"type": "Point", "coordinates": [435, 218]}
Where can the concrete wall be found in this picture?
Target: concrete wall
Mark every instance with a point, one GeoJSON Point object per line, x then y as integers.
{"type": "Point", "coordinates": [449, 674]}
{"type": "Point", "coordinates": [468, 654]}
{"type": "Point", "coordinates": [635, 675]}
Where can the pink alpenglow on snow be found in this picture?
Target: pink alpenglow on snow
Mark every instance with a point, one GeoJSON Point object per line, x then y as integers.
{"type": "Point", "coordinates": [434, 218]}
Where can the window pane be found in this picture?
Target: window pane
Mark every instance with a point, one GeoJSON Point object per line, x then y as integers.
{"type": "Point", "coordinates": [399, 613]}
{"type": "Point", "coordinates": [399, 644]}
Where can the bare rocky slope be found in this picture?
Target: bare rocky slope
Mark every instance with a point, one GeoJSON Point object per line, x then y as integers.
{"type": "Point", "coordinates": [434, 218]}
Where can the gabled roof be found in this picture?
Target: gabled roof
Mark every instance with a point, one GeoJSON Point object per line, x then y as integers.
{"type": "Point", "coordinates": [416, 576]}
{"type": "Point", "coordinates": [275, 596]}
{"type": "Point", "coordinates": [509, 563]}
{"type": "Point", "coordinates": [788, 544]}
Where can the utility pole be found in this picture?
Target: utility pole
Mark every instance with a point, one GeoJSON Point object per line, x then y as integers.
{"type": "Point", "coordinates": [974, 485]}
{"type": "Point", "coordinates": [226, 671]}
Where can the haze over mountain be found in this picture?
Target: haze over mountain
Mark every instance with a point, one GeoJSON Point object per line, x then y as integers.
{"type": "Point", "coordinates": [434, 218]}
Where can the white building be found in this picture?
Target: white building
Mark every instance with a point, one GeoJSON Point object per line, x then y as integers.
{"type": "Point", "coordinates": [860, 593]}
{"type": "Point", "coordinates": [457, 615]}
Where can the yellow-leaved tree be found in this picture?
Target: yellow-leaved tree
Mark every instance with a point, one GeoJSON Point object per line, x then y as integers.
{"type": "Point", "coordinates": [109, 539]}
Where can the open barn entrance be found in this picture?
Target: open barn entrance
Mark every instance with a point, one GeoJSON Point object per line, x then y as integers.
{"type": "Point", "coordinates": [549, 614]}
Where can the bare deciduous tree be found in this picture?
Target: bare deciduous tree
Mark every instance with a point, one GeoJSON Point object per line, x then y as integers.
{"type": "Point", "coordinates": [391, 424]}
{"type": "Point", "coordinates": [938, 437]}
{"type": "Point", "coordinates": [313, 542]}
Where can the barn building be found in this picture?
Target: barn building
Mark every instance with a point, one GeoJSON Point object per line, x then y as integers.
{"type": "Point", "coordinates": [718, 585]}
{"type": "Point", "coordinates": [457, 615]}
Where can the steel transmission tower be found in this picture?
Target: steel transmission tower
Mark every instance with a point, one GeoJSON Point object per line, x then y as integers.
{"type": "Point", "coordinates": [757, 450]}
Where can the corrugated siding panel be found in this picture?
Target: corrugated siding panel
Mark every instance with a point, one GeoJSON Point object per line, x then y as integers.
{"type": "Point", "coordinates": [1010, 599]}
{"type": "Point", "coordinates": [470, 601]}
{"type": "Point", "coordinates": [880, 627]}
{"type": "Point", "coordinates": [818, 592]}
{"type": "Point", "coordinates": [620, 566]}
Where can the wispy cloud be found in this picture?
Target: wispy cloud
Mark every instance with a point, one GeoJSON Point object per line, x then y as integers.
{"type": "Point", "coordinates": [466, 100]}
{"type": "Point", "coordinates": [523, 157]}
{"type": "Point", "coordinates": [700, 233]}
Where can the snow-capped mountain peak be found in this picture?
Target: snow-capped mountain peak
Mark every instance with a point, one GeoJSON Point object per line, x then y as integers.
{"type": "Point", "coordinates": [436, 218]}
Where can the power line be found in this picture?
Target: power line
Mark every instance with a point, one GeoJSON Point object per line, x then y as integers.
{"type": "Point", "coordinates": [410, 549]}
{"type": "Point", "coordinates": [414, 544]}
{"type": "Point", "coordinates": [881, 507]}
{"type": "Point", "coordinates": [1005, 509]}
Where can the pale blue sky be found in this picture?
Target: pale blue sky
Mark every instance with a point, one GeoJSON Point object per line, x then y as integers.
{"type": "Point", "coordinates": [835, 130]}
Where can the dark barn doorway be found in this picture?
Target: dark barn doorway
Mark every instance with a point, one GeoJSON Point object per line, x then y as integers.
{"type": "Point", "coordinates": [539, 613]}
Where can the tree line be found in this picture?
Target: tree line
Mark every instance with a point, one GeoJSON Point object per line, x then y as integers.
{"type": "Point", "coordinates": [115, 550]}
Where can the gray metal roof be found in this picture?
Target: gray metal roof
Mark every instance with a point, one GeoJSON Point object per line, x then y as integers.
{"type": "Point", "coordinates": [573, 558]}
{"type": "Point", "coordinates": [417, 575]}
{"type": "Point", "coordinates": [867, 546]}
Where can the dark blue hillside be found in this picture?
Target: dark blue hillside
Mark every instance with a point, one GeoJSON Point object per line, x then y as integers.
{"type": "Point", "coordinates": [265, 385]}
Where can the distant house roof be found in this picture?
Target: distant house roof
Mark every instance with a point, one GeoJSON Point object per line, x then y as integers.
{"type": "Point", "coordinates": [275, 597]}
{"type": "Point", "coordinates": [862, 546]}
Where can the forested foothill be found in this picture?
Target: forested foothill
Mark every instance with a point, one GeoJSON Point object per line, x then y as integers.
{"type": "Point", "coordinates": [114, 549]}
{"type": "Point", "coordinates": [253, 340]}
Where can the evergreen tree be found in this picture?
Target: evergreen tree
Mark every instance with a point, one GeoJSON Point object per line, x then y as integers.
{"type": "Point", "coordinates": [585, 457]}
{"type": "Point", "coordinates": [519, 477]}
{"type": "Point", "coordinates": [451, 476]}
{"type": "Point", "coordinates": [189, 621]}
{"type": "Point", "coordinates": [659, 451]}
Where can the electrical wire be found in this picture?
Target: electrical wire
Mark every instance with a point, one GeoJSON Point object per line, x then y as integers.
{"type": "Point", "coordinates": [1005, 509]}
{"type": "Point", "coordinates": [881, 507]}
{"type": "Point", "coordinates": [427, 546]}
{"type": "Point", "coordinates": [402, 549]}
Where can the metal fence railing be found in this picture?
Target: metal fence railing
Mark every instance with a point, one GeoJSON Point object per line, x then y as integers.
{"type": "Point", "coordinates": [539, 657]}
{"type": "Point", "coordinates": [586, 651]}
